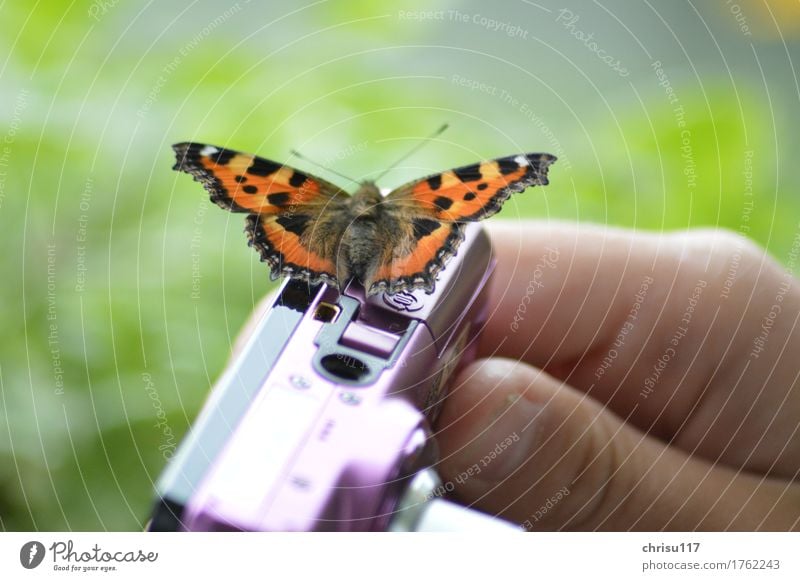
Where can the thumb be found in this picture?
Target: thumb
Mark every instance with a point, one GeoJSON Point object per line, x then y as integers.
{"type": "Point", "coordinates": [520, 444]}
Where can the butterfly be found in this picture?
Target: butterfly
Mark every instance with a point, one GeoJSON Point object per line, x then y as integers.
{"type": "Point", "coordinates": [307, 228]}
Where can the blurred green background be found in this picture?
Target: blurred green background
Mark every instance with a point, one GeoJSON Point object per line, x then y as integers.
{"type": "Point", "coordinates": [124, 288]}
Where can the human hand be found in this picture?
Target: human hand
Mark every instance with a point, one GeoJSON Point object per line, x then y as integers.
{"type": "Point", "coordinates": [637, 382]}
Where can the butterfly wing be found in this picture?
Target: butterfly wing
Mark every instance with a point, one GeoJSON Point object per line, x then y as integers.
{"type": "Point", "coordinates": [473, 192]}
{"type": "Point", "coordinates": [436, 206]}
{"type": "Point", "coordinates": [422, 248]}
{"type": "Point", "coordinates": [241, 182]}
{"type": "Point", "coordinates": [285, 206]}
{"type": "Point", "coordinates": [301, 246]}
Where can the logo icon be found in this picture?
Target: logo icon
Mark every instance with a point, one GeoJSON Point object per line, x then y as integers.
{"type": "Point", "coordinates": [403, 301]}
{"type": "Point", "coordinates": [31, 554]}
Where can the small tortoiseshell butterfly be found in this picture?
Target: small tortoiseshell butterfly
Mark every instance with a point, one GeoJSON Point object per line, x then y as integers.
{"type": "Point", "coordinates": [307, 228]}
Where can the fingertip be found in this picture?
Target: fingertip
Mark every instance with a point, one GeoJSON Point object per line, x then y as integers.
{"type": "Point", "coordinates": [493, 420]}
{"type": "Point", "coordinates": [511, 436]}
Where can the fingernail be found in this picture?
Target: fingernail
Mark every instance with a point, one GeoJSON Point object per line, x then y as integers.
{"type": "Point", "coordinates": [508, 441]}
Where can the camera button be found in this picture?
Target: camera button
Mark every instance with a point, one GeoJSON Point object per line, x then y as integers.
{"type": "Point", "coordinates": [349, 398]}
{"type": "Point", "coordinates": [369, 340]}
{"type": "Point", "coordinates": [299, 382]}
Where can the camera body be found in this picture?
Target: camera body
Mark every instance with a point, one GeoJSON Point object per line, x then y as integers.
{"type": "Point", "coordinates": [323, 422]}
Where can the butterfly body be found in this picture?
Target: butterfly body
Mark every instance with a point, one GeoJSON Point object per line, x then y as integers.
{"type": "Point", "coordinates": [307, 228]}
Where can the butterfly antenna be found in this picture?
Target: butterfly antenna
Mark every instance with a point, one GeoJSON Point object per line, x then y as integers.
{"type": "Point", "coordinates": [414, 150]}
{"type": "Point", "coordinates": [297, 154]}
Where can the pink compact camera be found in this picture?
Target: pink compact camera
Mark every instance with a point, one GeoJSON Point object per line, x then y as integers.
{"type": "Point", "coordinates": [323, 423]}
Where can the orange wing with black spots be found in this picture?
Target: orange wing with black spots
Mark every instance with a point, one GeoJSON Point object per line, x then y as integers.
{"type": "Point", "coordinates": [438, 205]}
{"type": "Point", "coordinates": [309, 229]}
{"type": "Point", "coordinates": [432, 244]}
{"type": "Point", "coordinates": [241, 182]}
{"type": "Point", "coordinates": [287, 244]}
{"type": "Point", "coordinates": [473, 192]}
{"type": "Point", "coordinates": [285, 207]}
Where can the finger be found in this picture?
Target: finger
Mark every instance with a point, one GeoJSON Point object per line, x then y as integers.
{"type": "Point", "coordinates": [563, 296]}
{"type": "Point", "coordinates": [562, 290]}
{"type": "Point", "coordinates": [518, 443]}
{"type": "Point", "coordinates": [658, 327]}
